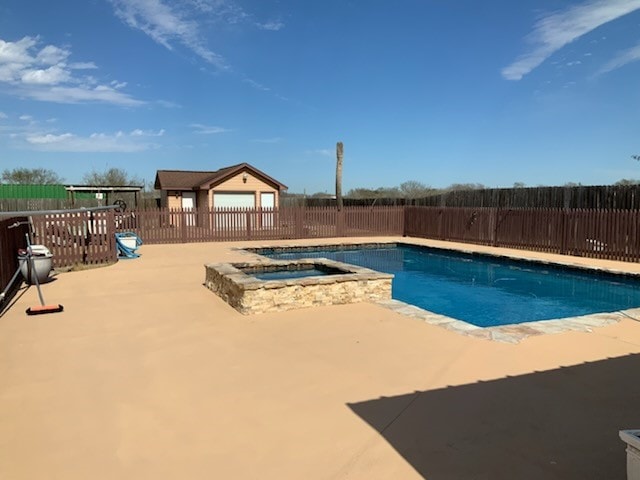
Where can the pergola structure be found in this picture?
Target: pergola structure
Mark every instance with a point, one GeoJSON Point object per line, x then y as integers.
{"type": "Point", "coordinates": [108, 193]}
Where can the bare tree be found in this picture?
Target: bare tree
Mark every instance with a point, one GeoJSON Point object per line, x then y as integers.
{"type": "Point", "coordinates": [627, 182]}
{"type": "Point", "coordinates": [111, 177]}
{"type": "Point", "coordinates": [414, 189]}
{"type": "Point", "coordinates": [465, 186]}
{"type": "Point", "coordinates": [339, 174]}
{"type": "Point", "coordinates": [30, 176]}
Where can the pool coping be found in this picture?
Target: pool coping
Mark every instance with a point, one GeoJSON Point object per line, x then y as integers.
{"type": "Point", "coordinates": [513, 333]}
{"type": "Point", "coordinates": [349, 272]}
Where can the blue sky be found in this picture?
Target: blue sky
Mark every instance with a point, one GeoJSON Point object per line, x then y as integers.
{"type": "Point", "coordinates": [438, 91]}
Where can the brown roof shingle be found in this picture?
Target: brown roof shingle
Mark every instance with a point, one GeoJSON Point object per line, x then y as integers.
{"type": "Point", "coordinates": [194, 180]}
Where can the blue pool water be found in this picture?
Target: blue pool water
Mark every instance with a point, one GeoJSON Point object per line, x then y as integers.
{"type": "Point", "coordinates": [289, 274]}
{"type": "Point", "coordinates": [486, 291]}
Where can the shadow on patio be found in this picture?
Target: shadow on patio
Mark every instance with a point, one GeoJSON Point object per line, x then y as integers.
{"type": "Point", "coordinates": [558, 424]}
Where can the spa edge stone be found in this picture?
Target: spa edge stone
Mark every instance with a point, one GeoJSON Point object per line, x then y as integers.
{"type": "Point", "coordinates": [249, 295]}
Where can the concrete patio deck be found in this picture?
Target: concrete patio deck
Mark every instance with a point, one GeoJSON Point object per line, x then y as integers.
{"type": "Point", "coordinates": [149, 375]}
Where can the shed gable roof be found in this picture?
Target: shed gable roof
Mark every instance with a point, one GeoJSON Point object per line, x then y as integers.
{"type": "Point", "coordinates": [195, 180]}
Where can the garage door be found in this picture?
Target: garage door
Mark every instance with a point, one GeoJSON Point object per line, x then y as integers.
{"type": "Point", "coordinates": [227, 216]}
{"type": "Point", "coordinates": [189, 203]}
{"type": "Point", "coordinates": [234, 200]}
{"type": "Point", "coordinates": [267, 202]}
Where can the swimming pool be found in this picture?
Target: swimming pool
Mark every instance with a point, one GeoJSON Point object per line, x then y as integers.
{"type": "Point", "coordinates": [481, 290]}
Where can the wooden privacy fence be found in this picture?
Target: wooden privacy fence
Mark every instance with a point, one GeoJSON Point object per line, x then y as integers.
{"type": "Point", "coordinates": [182, 226]}
{"type": "Point", "coordinates": [11, 240]}
{"type": "Point", "coordinates": [77, 238]}
{"type": "Point", "coordinates": [603, 197]}
{"type": "Point", "coordinates": [89, 237]}
{"type": "Point", "coordinates": [608, 234]}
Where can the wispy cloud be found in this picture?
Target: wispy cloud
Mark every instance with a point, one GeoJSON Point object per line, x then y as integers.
{"type": "Point", "coordinates": [121, 142]}
{"type": "Point", "coordinates": [20, 125]}
{"type": "Point", "coordinates": [82, 94]}
{"type": "Point", "coordinates": [147, 133]}
{"type": "Point", "coordinates": [174, 23]}
{"type": "Point", "coordinates": [43, 73]}
{"type": "Point", "coordinates": [118, 85]}
{"type": "Point", "coordinates": [274, 26]}
{"type": "Point", "coordinates": [3, 115]}
{"type": "Point", "coordinates": [227, 11]}
{"type": "Point", "coordinates": [208, 130]}
{"type": "Point", "coordinates": [168, 24]}
{"type": "Point", "coordinates": [267, 140]}
{"type": "Point", "coordinates": [256, 85]}
{"type": "Point", "coordinates": [552, 32]}
{"type": "Point", "coordinates": [325, 152]}
{"type": "Point", "coordinates": [168, 104]}
{"type": "Point", "coordinates": [621, 59]}
{"type": "Point", "coordinates": [83, 66]}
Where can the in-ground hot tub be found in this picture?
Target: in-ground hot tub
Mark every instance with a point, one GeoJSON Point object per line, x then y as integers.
{"type": "Point", "coordinates": [290, 284]}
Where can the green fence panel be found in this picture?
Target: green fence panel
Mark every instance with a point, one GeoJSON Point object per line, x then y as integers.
{"type": "Point", "coordinates": [33, 191]}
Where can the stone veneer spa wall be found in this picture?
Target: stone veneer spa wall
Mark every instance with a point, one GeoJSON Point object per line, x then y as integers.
{"type": "Point", "coordinates": [249, 295]}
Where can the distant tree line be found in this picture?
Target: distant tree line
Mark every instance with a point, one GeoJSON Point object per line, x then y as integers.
{"type": "Point", "coordinates": [43, 176]}
{"type": "Point", "coordinates": [409, 189]}
{"type": "Point", "coordinates": [30, 176]}
{"type": "Point", "coordinates": [119, 177]}
{"type": "Point", "coordinates": [414, 189]}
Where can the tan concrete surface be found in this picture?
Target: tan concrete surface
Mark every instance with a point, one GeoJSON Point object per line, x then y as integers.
{"type": "Point", "coordinates": [149, 375]}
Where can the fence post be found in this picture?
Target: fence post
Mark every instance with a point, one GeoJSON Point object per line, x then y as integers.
{"type": "Point", "coordinates": [183, 224]}
{"type": "Point", "coordinates": [299, 220]}
{"type": "Point", "coordinates": [248, 222]}
{"type": "Point", "coordinates": [92, 225]}
{"type": "Point", "coordinates": [563, 231]}
{"type": "Point", "coordinates": [340, 223]}
{"type": "Point", "coordinates": [495, 212]}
